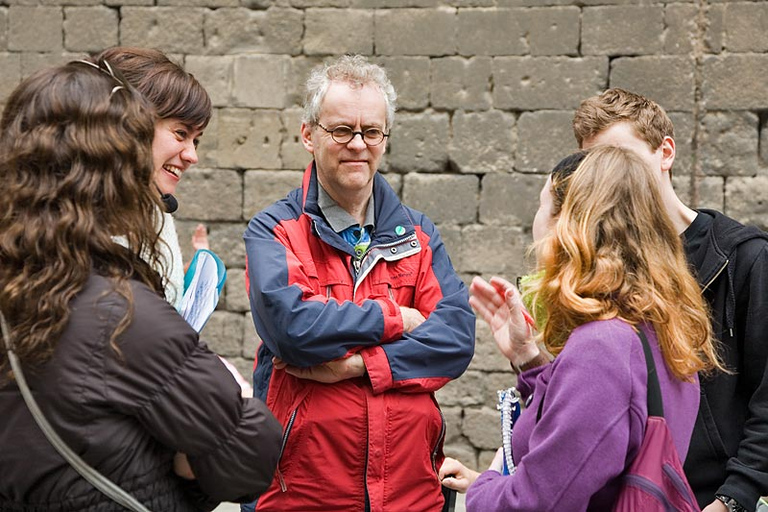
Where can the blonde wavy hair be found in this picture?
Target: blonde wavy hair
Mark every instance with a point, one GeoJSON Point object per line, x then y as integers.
{"type": "Point", "coordinates": [614, 253]}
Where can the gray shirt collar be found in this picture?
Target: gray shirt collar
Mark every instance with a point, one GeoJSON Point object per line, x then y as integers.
{"type": "Point", "coordinates": [337, 216]}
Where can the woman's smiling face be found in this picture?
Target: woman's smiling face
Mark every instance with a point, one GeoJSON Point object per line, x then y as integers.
{"type": "Point", "coordinates": [174, 150]}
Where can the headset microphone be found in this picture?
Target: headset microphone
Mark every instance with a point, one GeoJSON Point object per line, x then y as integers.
{"type": "Point", "coordinates": [170, 202]}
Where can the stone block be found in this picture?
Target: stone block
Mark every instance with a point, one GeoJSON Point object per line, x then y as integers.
{"type": "Point", "coordinates": [32, 62]}
{"type": "Point", "coordinates": [292, 152]}
{"type": "Point", "coordinates": [121, 3]}
{"type": "Point", "coordinates": [735, 81]}
{"type": "Point", "coordinates": [262, 188]}
{"type": "Point", "coordinates": [418, 143]}
{"type": "Point", "coordinates": [445, 198]}
{"type": "Point", "coordinates": [451, 236]}
{"type": "Point", "coordinates": [402, 31]}
{"type": "Point", "coordinates": [162, 28]}
{"type": "Point", "coordinates": [684, 124]}
{"type": "Point", "coordinates": [483, 141]}
{"type": "Point", "coordinates": [215, 74]}
{"type": "Point", "coordinates": [3, 28]}
{"type": "Point", "coordinates": [392, 4]}
{"type": "Point", "coordinates": [459, 83]}
{"type": "Point", "coordinates": [745, 27]}
{"type": "Point", "coordinates": [303, 4]}
{"type": "Point", "coordinates": [460, 449]}
{"type": "Point", "coordinates": [200, 3]}
{"type": "Point", "coordinates": [464, 391]}
{"type": "Point", "coordinates": [395, 181]}
{"type": "Point", "coordinates": [681, 28]}
{"type": "Point", "coordinates": [260, 81]}
{"type": "Point", "coordinates": [207, 149]}
{"type": "Point", "coordinates": [498, 250]}
{"type": "Point", "coordinates": [224, 333]}
{"type": "Point", "coordinates": [510, 199]}
{"type": "Point", "coordinates": [211, 195]}
{"type": "Point", "coordinates": [452, 417]}
{"type": "Point", "coordinates": [492, 32]}
{"type": "Point", "coordinates": [89, 29]}
{"type": "Point", "coordinates": [249, 139]}
{"type": "Point", "coordinates": [409, 76]}
{"type": "Point", "coordinates": [485, 458]}
{"type": "Point", "coordinates": [667, 80]}
{"type": "Point", "coordinates": [543, 139]}
{"type": "Point", "coordinates": [763, 140]}
{"type": "Point", "coordinates": [746, 200]}
{"type": "Point", "coordinates": [298, 73]}
{"type": "Point", "coordinates": [481, 426]}
{"type": "Point", "coordinates": [622, 30]}
{"type": "Point", "coordinates": [234, 31]}
{"type": "Point", "coordinates": [710, 191]}
{"type": "Point", "coordinates": [525, 83]}
{"type": "Point", "coordinates": [553, 30]}
{"type": "Point", "coordinates": [338, 31]}
{"type": "Point", "coordinates": [729, 144]}
{"type": "Point", "coordinates": [10, 63]}
{"type": "Point", "coordinates": [35, 29]}
{"type": "Point", "coordinates": [235, 298]}
{"type": "Point", "coordinates": [251, 340]}
{"type": "Point", "coordinates": [714, 34]}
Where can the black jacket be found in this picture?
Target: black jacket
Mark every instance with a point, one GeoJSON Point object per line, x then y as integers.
{"type": "Point", "coordinates": [127, 414]}
{"type": "Point", "coordinates": [729, 448]}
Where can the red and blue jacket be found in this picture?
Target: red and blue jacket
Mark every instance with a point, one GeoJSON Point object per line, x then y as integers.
{"type": "Point", "coordinates": [372, 442]}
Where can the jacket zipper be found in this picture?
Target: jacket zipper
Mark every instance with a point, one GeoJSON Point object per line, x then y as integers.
{"type": "Point", "coordinates": [439, 440]}
{"type": "Point", "coordinates": [706, 286]}
{"type": "Point", "coordinates": [678, 483]}
{"type": "Point", "coordinates": [287, 432]}
{"type": "Point", "coordinates": [358, 263]}
{"type": "Point", "coordinates": [646, 485]}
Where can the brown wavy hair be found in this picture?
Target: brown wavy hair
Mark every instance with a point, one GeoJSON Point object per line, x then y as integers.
{"type": "Point", "coordinates": [166, 85]}
{"type": "Point", "coordinates": [595, 114]}
{"type": "Point", "coordinates": [614, 253]}
{"type": "Point", "coordinates": [75, 171]}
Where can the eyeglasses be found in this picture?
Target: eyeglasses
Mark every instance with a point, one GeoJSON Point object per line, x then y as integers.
{"type": "Point", "coordinates": [344, 135]}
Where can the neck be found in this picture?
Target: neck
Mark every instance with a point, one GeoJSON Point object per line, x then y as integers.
{"type": "Point", "coordinates": [354, 203]}
{"type": "Point", "coordinates": [681, 215]}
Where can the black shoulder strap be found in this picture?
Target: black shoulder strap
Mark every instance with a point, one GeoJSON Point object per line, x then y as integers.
{"type": "Point", "coordinates": [655, 403]}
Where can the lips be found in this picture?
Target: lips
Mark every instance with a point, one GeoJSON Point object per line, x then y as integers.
{"type": "Point", "coordinates": [173, 170]}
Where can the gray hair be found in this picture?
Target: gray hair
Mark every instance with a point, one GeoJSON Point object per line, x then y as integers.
{"type": "Point", "coordinates": [354, 70]}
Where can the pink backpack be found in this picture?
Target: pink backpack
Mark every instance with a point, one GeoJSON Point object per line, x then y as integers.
{"type": "Point", "coordinates": [655, 480]}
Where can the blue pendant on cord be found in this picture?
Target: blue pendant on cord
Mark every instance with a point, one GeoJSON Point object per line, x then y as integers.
{"type": "Point", "coordinates": [359, 238]}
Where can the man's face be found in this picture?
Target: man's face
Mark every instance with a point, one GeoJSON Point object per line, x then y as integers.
{"type": "Point", "coordinates": [623, 135]}
{"type": "Point", "coordinates": [347, 168]}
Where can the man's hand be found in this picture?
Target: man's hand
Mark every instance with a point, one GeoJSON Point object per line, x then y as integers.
{"type": "Point", "coordinates": [715, 506]}
{"type": "Point", "coordinates": [455, 475]}
{"type": "Point", "coordinates": [327, 373]}
{"type": "Point", "coordinates": [412, 318]}
{"type": "Point", "coordinates": [500, 305]}
{"type": "Point", "coordinates": [181, 466]}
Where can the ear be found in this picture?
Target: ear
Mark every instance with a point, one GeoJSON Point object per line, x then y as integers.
{"type": "Point", "coordinates": [306, 138]}
{"type": "Point", "coordinates": [667, 153]}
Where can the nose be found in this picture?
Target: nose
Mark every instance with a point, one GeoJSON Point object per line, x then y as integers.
{"type": "Point", "coordinates": [357, 143]}
{"type": "Point", "coordinates": [189, 153]}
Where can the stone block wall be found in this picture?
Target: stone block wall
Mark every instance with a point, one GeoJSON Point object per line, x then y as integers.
{"type": "Point", "coordinates": [487, 89]}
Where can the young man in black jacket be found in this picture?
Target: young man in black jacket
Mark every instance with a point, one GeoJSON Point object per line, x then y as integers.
{"type": "Point", "coordinates": [727, 463]}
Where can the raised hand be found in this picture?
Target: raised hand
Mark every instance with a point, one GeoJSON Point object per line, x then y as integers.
{"type": "Point", "coordinates": [498, 302]}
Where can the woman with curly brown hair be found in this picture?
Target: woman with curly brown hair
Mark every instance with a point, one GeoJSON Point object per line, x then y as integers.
{"type": "Point", "coordinates": [117, 372]}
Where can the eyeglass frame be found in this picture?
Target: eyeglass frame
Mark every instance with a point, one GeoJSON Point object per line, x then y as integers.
{"type": "Point", "coordinates": [354, 134]}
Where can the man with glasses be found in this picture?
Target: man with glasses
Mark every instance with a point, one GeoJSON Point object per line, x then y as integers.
{"type": "Point", "coordinates": [361, 314]}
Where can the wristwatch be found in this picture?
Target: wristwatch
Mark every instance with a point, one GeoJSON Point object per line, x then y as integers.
{"type": "Point", "coordinates": [731, 504]}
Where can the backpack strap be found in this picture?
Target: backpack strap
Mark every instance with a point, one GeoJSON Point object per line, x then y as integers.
{"type": "Point", "coordinates": [655, 403]}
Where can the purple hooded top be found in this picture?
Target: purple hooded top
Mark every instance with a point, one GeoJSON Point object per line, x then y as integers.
{"type": "Point", "coordinates": [592, 423]}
